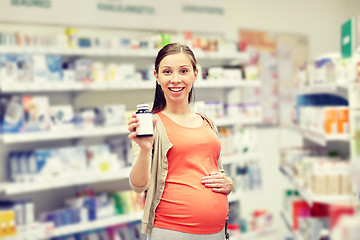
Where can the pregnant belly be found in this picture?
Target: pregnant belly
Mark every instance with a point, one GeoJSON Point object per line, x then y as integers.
{"type": "Point", "coordinates": [193, 209]}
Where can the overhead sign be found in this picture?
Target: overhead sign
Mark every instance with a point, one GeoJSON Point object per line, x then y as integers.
{"type": "Point", "coordinates": [200, 16]}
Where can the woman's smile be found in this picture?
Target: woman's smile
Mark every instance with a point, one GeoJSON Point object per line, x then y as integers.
{"type": "Point", "coordinates": [176, 89]}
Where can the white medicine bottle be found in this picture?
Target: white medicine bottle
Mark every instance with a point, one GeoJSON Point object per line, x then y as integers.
{"type": "Point", "coordinates": [145, 117]}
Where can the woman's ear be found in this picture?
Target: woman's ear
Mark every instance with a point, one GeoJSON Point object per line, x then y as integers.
{"type": "Point", "coordinates": [156, 76]}
{"type": "Point", "coordinates": [196, 72]}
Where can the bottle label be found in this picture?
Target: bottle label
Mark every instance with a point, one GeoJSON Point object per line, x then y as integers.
{"type": "Point", "coordinates": [146, 124]}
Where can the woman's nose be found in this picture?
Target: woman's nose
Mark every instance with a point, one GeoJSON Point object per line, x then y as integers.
{"type": "Point", "coordinates": [176, 78]}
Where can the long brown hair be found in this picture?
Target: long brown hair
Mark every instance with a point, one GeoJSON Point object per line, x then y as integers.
{"type": "Point", "coordinates": [172, 48]}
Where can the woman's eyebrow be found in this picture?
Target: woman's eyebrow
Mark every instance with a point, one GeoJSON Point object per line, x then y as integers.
{"type": "Point", "coordinates": [185, 65]}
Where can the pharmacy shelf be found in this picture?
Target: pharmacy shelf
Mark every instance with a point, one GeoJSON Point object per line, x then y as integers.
{"type": "Point", "coordinates": [62, 181]}
{"type": "Point", "coordinates": [26, 137]}
{"type": "Point", "coordinates": [340, 89]}
{"type": "Point", "coordinates": [254, 234]}
{"type": "Point", "coordinates": [229, 121]}
{"type": "Point", "coordinates": [33, 231]}
{"type": "Point", "coordinates": [100, 223]}
{"type": "Point", "coordinates": [309, 196]}
{"type": "Point", "coordinates": [239, 158]}
{"type": "Point", "coordinates": [320, 138]}
{"type": "Point", "coordinates": [42, 233]}
{"type": "Point", "coordinates": [94, 52]}
{"type": "Point", "coordinates": [14, 87]}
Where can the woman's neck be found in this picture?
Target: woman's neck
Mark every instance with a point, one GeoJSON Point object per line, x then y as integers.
{"type": "Point", "coordinates": [178, 110]}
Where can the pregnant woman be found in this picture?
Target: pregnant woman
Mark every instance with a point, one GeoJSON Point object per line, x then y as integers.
{"type": "Point", "coordinates": [180, 165]}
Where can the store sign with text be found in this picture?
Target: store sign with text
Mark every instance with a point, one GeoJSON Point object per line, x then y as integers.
{"type": "Point", "coordinates": [199, 16]}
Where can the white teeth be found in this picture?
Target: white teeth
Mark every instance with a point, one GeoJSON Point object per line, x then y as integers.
{"type": "Point", "coordinates": [176, 89]}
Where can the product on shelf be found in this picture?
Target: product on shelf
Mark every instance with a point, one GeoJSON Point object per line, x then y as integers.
{"type": "Point", "coordinates": [11, 114]}
{"type": "Point", "coordinates": [88, 207]}
{"type": "Point", "coordinates": [248, 177]}
{"type": "Point", "coordinates": [36, 113]}
{"type": "Point", "coordinates": [33, 113]}
{"type": "Point", "coordinates": [321, 174]}
{"type": "Point", "coordinates": [330, 69]}
{"type": "Point", "coordinates": [331, 111]}
{"type": "Point", "coordinates": [61, 117]}
{"type": "Point", "coordinates": [14, 215]}
{"type": "Point", "coordinates": [76, 38]}
{"type": "Point", "coordinates": [41, 165]}
{"type": "Point", "coordinates": [259, 221]}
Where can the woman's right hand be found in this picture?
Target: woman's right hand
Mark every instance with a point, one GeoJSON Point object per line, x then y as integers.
{"type": "Point", "coordinates": [145, 143]}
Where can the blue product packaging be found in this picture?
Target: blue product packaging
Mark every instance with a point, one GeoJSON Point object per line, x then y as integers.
{"type": "Point", "coordinates": [11, 114]}
{"type": "Point", "coordinates": [22, 160]}
{"type": "Point", "coordinates": [32, 168]}
{"type": "Point", "coordinates": [41, 157]}
{"type": "Point", "coordinates": [58, 218]}
{"type": "Point", "coordinates": [90, 205]}
{"type": "Point", "coordinates": [75, 215]}
{"type": "Point", "coordinates": [13, 166]}
{"type": "Point", "coordinates": [54, 68]}
{"type": "Point", "coordinates": [24, 68]}
{"type": "Point", "coordinates": [46, 164]}
{"type": "Point", "coordinates": [67, 216]}
{"type": "Point", "coordinates": [26, 174]}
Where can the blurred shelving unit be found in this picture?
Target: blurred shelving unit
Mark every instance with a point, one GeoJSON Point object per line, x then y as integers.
{"type": "Point", "coordinates": [339, 143]}
{"type": "Point", "coordinates": [71, 136]}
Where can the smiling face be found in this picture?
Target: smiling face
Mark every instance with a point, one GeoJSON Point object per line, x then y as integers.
{"type": "Point", "coordinates": [176, 76]}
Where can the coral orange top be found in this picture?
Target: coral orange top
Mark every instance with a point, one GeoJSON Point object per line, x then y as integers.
{"type": "Point", "coordinates": [186, 204]}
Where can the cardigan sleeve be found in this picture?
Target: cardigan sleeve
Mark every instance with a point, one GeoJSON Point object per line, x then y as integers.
{"type": "Point", "coordinates": [135, 150]}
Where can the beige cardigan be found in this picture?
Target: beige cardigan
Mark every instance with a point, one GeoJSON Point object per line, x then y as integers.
{"type": "Point", "coordinates": [158, 172]}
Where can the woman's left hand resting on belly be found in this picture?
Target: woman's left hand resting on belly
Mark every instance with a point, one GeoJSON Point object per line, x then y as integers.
{"type": "Point", "coordinates": [219, 182]}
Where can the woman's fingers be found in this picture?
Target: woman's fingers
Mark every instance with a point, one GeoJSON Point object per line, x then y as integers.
{"type": "Point", "coordinates": [133, 123]}
{"type": "Point", "coordinates": [218, 182]}
{"type": "Point", "coordinates": [132, 127]}
{"type": "Point", "coordinates": [132, 135]}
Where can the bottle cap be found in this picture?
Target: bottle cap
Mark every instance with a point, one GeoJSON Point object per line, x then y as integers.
{"type": "Point", "coordinates": [142, 106]}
